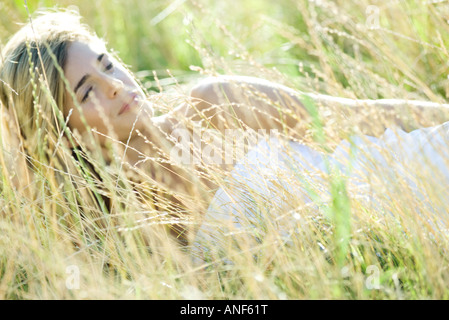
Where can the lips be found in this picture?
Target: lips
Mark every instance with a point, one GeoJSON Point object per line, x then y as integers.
{"type": "Point", "coordinates": [127, 106]}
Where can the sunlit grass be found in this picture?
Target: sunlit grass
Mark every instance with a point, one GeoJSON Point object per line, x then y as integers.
{"type": "Point", "coordinates": [57, 240]}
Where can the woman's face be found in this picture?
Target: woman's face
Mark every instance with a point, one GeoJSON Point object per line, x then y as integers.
{"type": "Point", "coordinates": [108, 95]}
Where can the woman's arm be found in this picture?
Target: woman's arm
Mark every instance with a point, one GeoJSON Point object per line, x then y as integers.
{"type": "Point", "coordinates": [235, 101]}
{"type": "Point", "coordinates": [372, 117]}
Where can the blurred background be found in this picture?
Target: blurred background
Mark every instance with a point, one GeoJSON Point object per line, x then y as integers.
{"type": "Point", "coordinates": [363, 49]}
{"type": "Point", "coordinates": [357, 49]}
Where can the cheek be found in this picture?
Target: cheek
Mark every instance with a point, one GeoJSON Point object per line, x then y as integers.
{"type": "Point", "coordinates": [76, 119]}
{"type": "Point", "coordinates": [75, 122]}
{"type": "Point", "coordinates": [95, 118]}
{"type": "Point", "coordinates": [71, 115]}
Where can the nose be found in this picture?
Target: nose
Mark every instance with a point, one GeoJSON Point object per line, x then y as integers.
{"type": "Point", "coordinates": [114, 87]}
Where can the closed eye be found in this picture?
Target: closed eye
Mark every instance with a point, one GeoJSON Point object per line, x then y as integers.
{"type": "Point", "coordinates": [109, 66]}
{"type": "Point", "coordinates": [86, 95]}
{"type": "Point", "coordinates": [104, 59]}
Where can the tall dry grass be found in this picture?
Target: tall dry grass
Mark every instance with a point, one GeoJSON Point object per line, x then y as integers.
{"type": "Point", "coordinates": [58, 240]}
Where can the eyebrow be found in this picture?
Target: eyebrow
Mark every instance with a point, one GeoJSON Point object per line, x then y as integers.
{"type": "Point", "coordinates": [86, 76]}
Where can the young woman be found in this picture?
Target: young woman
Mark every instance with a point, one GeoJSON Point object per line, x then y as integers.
{"type": "Point", "coordinates": [61, 86]}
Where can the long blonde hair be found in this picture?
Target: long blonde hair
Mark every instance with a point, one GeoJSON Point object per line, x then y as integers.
{"type": "Point", "coordinates": [33, 93]}
{"type": "Point", "coordinates": [32, 84]}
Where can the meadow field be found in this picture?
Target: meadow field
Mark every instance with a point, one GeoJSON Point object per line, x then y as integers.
{"type": "Point", "coordinates": [58, 240]}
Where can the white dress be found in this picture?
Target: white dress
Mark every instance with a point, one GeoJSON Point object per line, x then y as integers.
{"type": "Point", "coordinates": [278, 176]}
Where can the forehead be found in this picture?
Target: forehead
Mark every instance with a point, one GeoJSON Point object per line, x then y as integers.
{"type": "Point", "coordinates": [81, 57]}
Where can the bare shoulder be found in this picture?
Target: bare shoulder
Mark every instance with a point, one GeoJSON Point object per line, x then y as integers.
{"type": "Point", "coordinates": [210, 85]}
